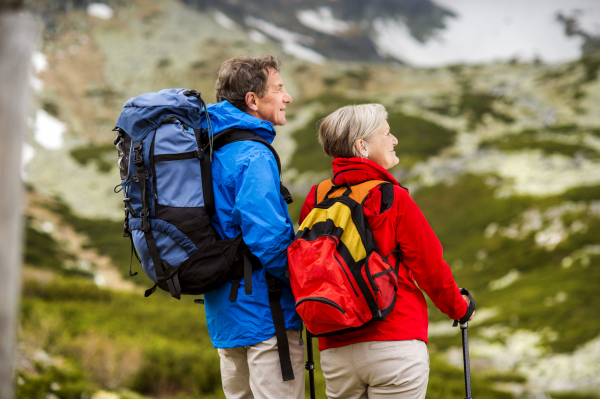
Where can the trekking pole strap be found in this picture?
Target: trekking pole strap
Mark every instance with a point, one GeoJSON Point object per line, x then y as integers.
{"type": "Point", "coordinates": [274, 287]}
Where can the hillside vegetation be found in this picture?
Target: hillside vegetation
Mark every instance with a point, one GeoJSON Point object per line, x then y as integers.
{"type": "Point", "coordinates": [503, 159]}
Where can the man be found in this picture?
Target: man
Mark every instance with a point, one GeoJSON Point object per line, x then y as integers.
{"type": "Point", "coordinates": [250, 96]}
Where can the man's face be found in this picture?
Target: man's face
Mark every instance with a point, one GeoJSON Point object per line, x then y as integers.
{"type": "Point", "coordinates": [272, 106]}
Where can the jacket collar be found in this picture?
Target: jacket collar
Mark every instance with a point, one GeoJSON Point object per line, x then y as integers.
{"type": "Point", "coordinates": [357, 170]}
{"type": "Point", "coordinates": [225, 116]}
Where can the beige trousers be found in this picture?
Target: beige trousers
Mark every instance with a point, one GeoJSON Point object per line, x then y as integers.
{"type": "Point", "coordinates": [377, 369]}
{"type": "Point", "coordinates": [255, 372]}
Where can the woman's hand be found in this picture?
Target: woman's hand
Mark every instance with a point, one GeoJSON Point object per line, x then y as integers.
{"type": "Point", "coordinates": [468, 300]}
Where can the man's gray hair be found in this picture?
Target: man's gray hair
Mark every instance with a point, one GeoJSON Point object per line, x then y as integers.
{"type": "Point", "coordinates": [342, 128]}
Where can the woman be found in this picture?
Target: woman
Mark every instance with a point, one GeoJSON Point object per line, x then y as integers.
{"type": "Point", "coordinates": [386, 358]}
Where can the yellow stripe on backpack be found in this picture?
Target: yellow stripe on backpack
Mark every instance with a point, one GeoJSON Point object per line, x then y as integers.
{"type": "Point", "coordinates": [341, 217]}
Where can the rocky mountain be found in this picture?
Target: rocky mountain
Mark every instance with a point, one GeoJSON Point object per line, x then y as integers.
{"type": "Point", "coordinates": [502, 157]}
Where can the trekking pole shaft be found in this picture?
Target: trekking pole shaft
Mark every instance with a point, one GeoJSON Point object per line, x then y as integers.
{"type": "Point", "coordinates": [310, 365]}
{"type": "Point", "coordinates": [467, 365]}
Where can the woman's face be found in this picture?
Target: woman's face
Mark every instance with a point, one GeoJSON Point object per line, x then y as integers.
{"type": "Point", "coordinates": [380, 149]}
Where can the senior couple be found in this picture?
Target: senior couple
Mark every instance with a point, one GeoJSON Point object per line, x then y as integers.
{"type": "Point", "coordinates": [384, 358]}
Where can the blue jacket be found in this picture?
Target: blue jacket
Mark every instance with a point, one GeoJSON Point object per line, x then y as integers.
{"type": "Point", "coordinates": [247, 200]}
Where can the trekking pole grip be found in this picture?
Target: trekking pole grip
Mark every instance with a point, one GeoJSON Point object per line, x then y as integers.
{"type": "Point", "coordinates": [464, 320]}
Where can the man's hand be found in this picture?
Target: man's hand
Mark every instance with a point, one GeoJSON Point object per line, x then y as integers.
{"type": "Point", "coordinates": [468, 300]}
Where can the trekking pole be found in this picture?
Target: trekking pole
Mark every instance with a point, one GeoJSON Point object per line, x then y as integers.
{"type": "Point", "coordinates": [310, 364]}
{"type": "Point", "coordinates": [464, 325]}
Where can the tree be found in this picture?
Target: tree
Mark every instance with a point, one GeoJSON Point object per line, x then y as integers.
{"type": "Point", "coordinates": [18, 38]}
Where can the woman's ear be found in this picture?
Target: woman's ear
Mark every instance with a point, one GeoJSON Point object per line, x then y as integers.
{"type": "Point", "coordinates": [251, 101]}
{"type": "Point", "coordinates": [362, 148]}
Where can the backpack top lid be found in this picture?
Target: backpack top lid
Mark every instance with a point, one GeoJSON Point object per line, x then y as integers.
{"type": "Point", "coordinates": [145, 113]}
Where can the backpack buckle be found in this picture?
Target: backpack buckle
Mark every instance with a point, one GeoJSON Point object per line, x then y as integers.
{"type": "Point", "coordinates": [138, 159]}
{"type": "Point", "coordinates": [274, 288]}
{"type": "Point", "coordinates": [199, 153]}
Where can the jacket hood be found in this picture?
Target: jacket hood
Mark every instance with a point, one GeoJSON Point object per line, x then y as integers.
{"type": "Point", "coordinates": [225, 116]}
{"type": "Point", "coordinates": [356, 170]}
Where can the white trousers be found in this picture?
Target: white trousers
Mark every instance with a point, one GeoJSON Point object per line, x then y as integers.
{"type": "Point", "coordinates": [254, 371]}
{"type": "Point", "coordinates": [377, 369]}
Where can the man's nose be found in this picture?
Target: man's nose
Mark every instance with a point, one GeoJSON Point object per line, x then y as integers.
{"type": "Point", "coordinates": [286, 97]}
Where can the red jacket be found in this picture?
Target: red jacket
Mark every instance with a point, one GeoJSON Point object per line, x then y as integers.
{"type": "Point", "coordinates": [398, 223]}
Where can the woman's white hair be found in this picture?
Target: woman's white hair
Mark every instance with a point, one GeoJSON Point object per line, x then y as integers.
{"type": "Point", "coordinates": [339, 131]}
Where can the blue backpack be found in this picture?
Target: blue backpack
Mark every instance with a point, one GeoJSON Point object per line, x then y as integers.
{"type": "Point", "coordinates": [165, 156]}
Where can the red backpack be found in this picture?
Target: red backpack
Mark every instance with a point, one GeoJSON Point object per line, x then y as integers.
{"type": "Point", "coordinates": [338, 278]}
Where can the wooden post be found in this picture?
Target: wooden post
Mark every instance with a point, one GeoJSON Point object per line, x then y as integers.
{"type": "Point", "coordinates": [18, 37]}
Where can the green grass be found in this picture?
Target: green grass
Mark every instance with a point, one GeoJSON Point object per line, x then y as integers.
{"type": "Point", "coordinates": [160, 345]}
{"type": "Point", "coordinates": [96, 154]}
{"type": "Point", "coordinates": [105, 236]}
{"type": "Point", "coordinates": [475, 105]}
{"type": "Point", "coordinates": [531, 139]}
{"type": "Point", "coordinates": [42, 250]}
{"type": "Point", "coordinates": [460, 213]}
{"type": "Point", "coordinates": [309, 155]}
{"type": "Point", "coordinates": [447, 382]}
{"type": "Point", "coordinates": [417, 138]}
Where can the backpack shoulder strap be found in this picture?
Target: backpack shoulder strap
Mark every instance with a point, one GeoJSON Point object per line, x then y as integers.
{"type": "Point", "coordinates": [234, 135]}
{"type": "Point", "coordinates": [358, 192]}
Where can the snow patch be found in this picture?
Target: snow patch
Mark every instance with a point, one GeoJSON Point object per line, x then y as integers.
{"type": "Point", "coordinates": [39, 62]}
{"type": "Point", "coordinates": [526, 172]}
{"type": "Point", "coordinates": [99, 280]}
{"type": "Point", "coordinates": [505, 281]}
{"type": "Point", "coordinates": [36, 83]}
{"type": "Point", "coordinates": [256, 36]}
{"type": "Point", "coordinates": [224, 20]}
{"type": "Point", "coordinates": [47, 227]}
{"type": "Point", "coordinates": [322, 20]}
{"type": "Point", "coordinates": [100, 10]}
{"type": "Point", "coordinates": [579, 370]}
{"type": "Point", "coordinates": [303, 53]}
{"type": "Point", "coordinates": [581, 255]}
{"type": "Point", "coordinates": [487, 30]}
{"type": "Point", "coordinates": [49, 131]}
{"type": "Point", "coordinates": [293, 43]}
{"type": "Point", "coordinates": [28, 154]}
{"type": "Point", "coordinates": [549, 227]}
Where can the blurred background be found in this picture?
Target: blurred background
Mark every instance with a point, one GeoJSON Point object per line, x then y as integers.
{"type": "Point", "coordinates": [496, 107]}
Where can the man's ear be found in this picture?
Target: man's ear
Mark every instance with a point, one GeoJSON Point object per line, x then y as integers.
{"type": "Point", "coordinates": [251, 101]}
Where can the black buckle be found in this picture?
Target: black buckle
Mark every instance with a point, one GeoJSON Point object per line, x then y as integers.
{"type": "Point", "coordinates": [138, 159]}
{"type": "Point", "coordinates": [199, 153]}
{"type": "Point", "coordinates": [191, 93]}
{"type": "Point", "coordinates": [134, 177]}
{"type": "Point", "coordinates": [274, 288]}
